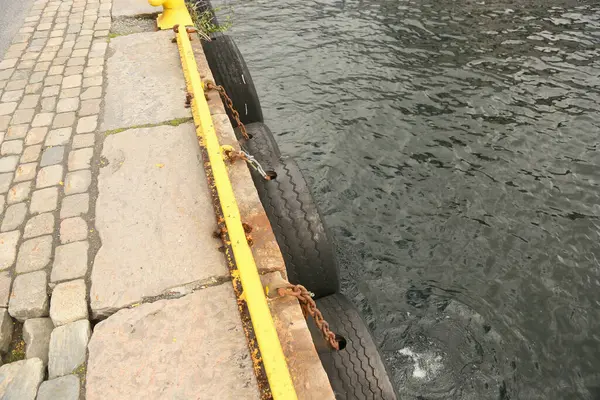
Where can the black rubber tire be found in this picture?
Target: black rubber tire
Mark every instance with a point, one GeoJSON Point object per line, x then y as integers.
{"type": "Point", "coordinates": [261, 145]}
{"type": "Point", "coordinates": [357, 371]}
{"type": "Point", "coordinates": [230, 71]}
{"type": "Point", "coordinates": [203, 6]}
{"type": "Point", "coordinates": [302, 237]}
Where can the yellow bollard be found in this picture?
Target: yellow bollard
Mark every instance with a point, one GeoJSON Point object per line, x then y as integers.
{"type": "Point", "coordinates": [174, 12]}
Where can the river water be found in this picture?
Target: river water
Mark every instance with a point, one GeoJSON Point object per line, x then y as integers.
{"type": "Point", "coordinates": [453, 147]}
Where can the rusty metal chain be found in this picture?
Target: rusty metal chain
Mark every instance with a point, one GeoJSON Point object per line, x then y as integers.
{"type": "Point", "coordinates": [229, 104]}
{"type": "Point", "coordinates": [309, 307]}
{"type": "Point", "coordinates": [250, 160]}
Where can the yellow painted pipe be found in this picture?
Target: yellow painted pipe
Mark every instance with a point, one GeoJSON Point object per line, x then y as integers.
{"type": "Point", "coordinates": [278, 375]}
{"type": "Point", "coordinates": [174, 12]}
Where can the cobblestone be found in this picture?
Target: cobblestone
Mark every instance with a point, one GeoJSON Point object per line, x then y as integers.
{"type": "Point", "coordinates": [22, 116]}
{"type": "Point", "coordinates": [90, 107]}
{"type": "Point", "coordinates": [68, 344]}
{"type": "Point", "coordinates": [75, 205]}
{"type": "Point", "coordinates": [92, 92]}
{"type": "Point", "coordinates": [65, 388]}
{"type": "Point", "coordinates": [5, 281]}
{"type": "Point", "coordinates": [80, 159]}
{"type": "Point", "coordinates": [78, 181]}
{"type": "Point", "coordinates": [36, 135]}
{"type": "Point", "coordinates": [49, 176]}
{"type": "Point", "coordinates": [84, 140]}
{"type": "Point", "coordinates": [64, 119]}
{"type": "Point", "coordinates": [42, 119]}
{"type": "Point", "coordinates": [25, 172]}
{"type": "Point", "coordinates": [36, 334]}
{"type": "Point", "coordinates": [67, 104]}
{"type": "Point", "coordinates": [5, 181]}
{"type": "Point", "coordinates": [42, 224]}
{"type": "Point", "coordinates": [49, 103]}
{"type": "Point", "coordinates": [28, 298]}
{"type": "Point", "coordinates": [12, 147]}
{"type": "Point", "coordinates": [70, 261]}
{"type": "Point", "coordinates": [8, 248]}
{"type": "Point", "coordinates": [14, 217]}
{"type": "Point", "coordinates": [73, 230]}
{"type": "Point", "coordinates": [44, 200]}
{"type": "Point", "coordinates": [58, 137]}
{"type": "Point", "coordinates": [6, 330]}
{"type": "Point", "coordinates": [34, 254]}
{"type": "Point", "coordinates": [68, 302]}
{"type": "Point", "coordinates": [87, 124]}
{"type": "Point", "coordinates": [30, 101]}
{"type": "Point", "coordinates": [18, 192]}
{"type": "Point", "coordinates": [52, 155]}
{"type": "Point", "coordinates": [20, 379]}
{"type": "Point", "coordinates": [8, 163]}
{"type": "Point", "coordinates": [72, 81]}
{"type": "Point", "coordinates": [31, 153]}
{"type": "Point", "coordinates": [17, 132]}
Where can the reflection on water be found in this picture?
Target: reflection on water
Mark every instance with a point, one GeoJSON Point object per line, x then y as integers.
{"type": "Point", "coordinates": [453, 148]}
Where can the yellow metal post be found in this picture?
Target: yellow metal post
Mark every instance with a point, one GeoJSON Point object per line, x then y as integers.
{"type": "Point", "coordinates": [174, 12]}
{"type": "Point", "coordinates": [276, 368]}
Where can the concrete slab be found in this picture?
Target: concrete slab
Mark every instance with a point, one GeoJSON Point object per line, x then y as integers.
{"type": "Point", "coordinates": [155, 218]}
{"type": "Point", "coordinates": [147, 67]}
{"type": "Point", "coordinates": [198, 351]}
{"type": "Point", "coordinates": [130, 8]}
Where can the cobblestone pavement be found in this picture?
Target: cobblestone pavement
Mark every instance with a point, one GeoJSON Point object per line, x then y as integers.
{"type": "Point", "coordinates": [51, 81]}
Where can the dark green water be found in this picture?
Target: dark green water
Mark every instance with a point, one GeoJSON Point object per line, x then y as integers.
{"type": "Point", "coordinates": [453, 147]}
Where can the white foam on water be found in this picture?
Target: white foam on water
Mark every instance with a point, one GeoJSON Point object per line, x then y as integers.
{"type": "Point", "coordinates": [425, 365]}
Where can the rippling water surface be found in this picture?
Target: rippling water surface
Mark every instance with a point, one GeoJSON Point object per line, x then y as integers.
{"type": "Point", "coordinates": [453, 147]}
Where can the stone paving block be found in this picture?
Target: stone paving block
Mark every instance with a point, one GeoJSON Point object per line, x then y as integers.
{"type": "Point", "coordinates": [36, 135]}
{"type": "Point", "coordinates": [68, 345]}
{"type": "Point", "coordinates": [93, 81]}
{"type": "Point", "coordinates": [87, 124]}
{"type": "Point", "coordinates": [25, 172]}
{"type": "Point", "coordinates": [93, 92]}
{"type": "Point", "coordinates": [49, 176]}
{"type": "Point", "coordinates": [195, 345]}
{"type": "Point", "coordinates": [75, 205]}
{"type": "Point", "coordinates": [8, 248]}
{"type": "Point", "coordinates": [52, 155]}
{"type": "Point", "coordinates": [16, 84]}
{"type": "Point", "coordinates": [22, 117]}
{"type": "Point", "coordinates": [13, 95]}
{"type": "Point", "coordinates": [42, 119]}
{"type": "Point", "coordinates": [14, 217]}
{"type": "Point", "coordinates": [80, 159]}
{"type": "Point", "coordinates": [28, 298]}
{"type": "Point", "coordinates": [53, 80]}
{"type": "Point", "coordinates": [58, 137]}
{"type": "Point", "coordinates": [36, 334]}
{"type": "Point", "coordinates": [78, 181]}
{"type": "Point", "coordinates": [42, 224]}
{"type": "Point", "coordinates": [20, 380]}
{"type": "Point", "coordinates": [83, 140]}
{"type": "Point", "coordinates": [70, 261]}
{"type": "Point", "coordinates": [73, 230]}
{"type": "Point", "coordinates": [8, 108]}
{"type": "Point", "coordinates": [8, 163]}
{"type": "Point", "coordinates": [49, 103]}
{"type": "Point", "coordinates": [63, 388]}
{"type": "Point", "coordinates": [172, 233]}
{"type": "Point", "coordinates": [44, 200]}
{"type": "Point", "coordinates": [30, 101]}
{"type": "Point", "coordinates": [68, 104]}
{"type": "Point", "coordinates": [72, 81]}
{"type": "Point", "coordinates": [5, 282]}
{"type": "Point", "coordinates": [145, 53]}
{"type": "Point", "coordinates": [34, 254]}
{"type": "Point", "coordinates": [72, 92]}
{"type": "Point", "coordinates": [90, 107]}
{"type": "Point", "coordinates": [12, 147]}
{"type": "Point", "coordinates": [18, 192]}
{"type": "Point", "coordinates": [33, 88]}
{"type": "Point", "coordinates": [31, 153]}
{"type": "Point", "coordinates": [50, 91]}
{"type": "Point", "coordinates": [68, 302]}
{"type": "Point", "coordinates": [6, 330]}
{"type": "Point", "coordinates": [5, 181]}
{"type": "Point", "coordinates": [64, 119]}
{"type": "Point", "coordinates": [17, 132]}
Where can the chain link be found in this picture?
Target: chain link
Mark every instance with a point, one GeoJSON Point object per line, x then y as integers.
{"type": "Point", "coordinates": [236, 115]}
{"type": "Point", "coordinates": [309, 307]}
